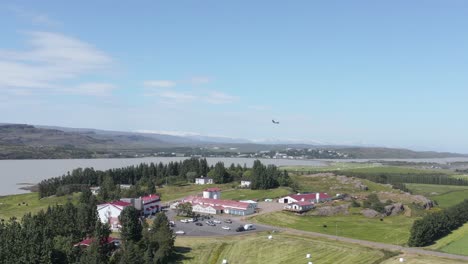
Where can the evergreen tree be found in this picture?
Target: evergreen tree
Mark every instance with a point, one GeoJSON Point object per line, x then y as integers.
{"type": "Point", "coordinates": [131, 226]}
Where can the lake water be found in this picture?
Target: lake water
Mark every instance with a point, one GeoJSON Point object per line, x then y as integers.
{"type": "Point", "coordinates": [15, 172]}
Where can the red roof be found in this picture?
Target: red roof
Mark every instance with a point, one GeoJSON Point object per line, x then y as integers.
{"type": "Point", "coordinates": [117, 203]}
{"type": "Point", "coordinates": [216, 202]}
{"type": "Point", "coordinates": [87, 242]}
{"type": "Point", "coordinates": [309, 196]}
{"type": "Point", "coordinates": [214, 189]}
{"type": "Point", "coordinates": [120, 203]}
{"type": "Point", "coordinates": [150, 198]}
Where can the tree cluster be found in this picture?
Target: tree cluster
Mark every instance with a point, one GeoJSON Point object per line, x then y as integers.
{"type": "Point", "coordinates": [153, 245]}
{"type": "Point", "coordinates": [433, 226]}
{"type": "Point", "coordinates": [268, 177]}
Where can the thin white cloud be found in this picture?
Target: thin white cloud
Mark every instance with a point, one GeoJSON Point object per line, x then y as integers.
{"type": "Point", "coordinates": [178, 96]}
{"type": "Point", "coordinates": [216, 97]}
{"type": "Point", "coordinates": [34, 17]}
{"type": "Point", "coordinates": [159, 84]}
{"type": "Point", "coordinates": [50, 59]}
{"type": "Point", "coordinates": [92, 89]}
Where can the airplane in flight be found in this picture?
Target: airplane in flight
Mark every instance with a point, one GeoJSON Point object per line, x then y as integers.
{"type": "Point", "coordinates": [275, 122]}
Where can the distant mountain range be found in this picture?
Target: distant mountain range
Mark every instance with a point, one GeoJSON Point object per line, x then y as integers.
{"type": "Point", "coordinates": [20, 141]}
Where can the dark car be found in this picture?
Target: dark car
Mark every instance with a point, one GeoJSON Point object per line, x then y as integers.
{"type": "Point", "coordinates": [198, 224]}
{"type": "Point", "coordinates": [240, 229]}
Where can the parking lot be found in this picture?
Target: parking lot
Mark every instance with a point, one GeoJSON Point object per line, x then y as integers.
{"type": "Point", "coordinates": [191, 229]}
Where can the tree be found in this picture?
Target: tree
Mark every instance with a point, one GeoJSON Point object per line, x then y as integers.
{"type": "Point", "coordinates": [160, 241]}
{"type": "Point", "coordinates": [131, 226]}
{"type": "Point", "coordinates": [220, 174]}
{"type": "Point", "coordinates": [184, 209]}
{"type": "Point", "coordinates": [131, 254]}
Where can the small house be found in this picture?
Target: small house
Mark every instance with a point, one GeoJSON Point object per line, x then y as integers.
{"type": "Point", "coordinates": [245, 184]}
{"type": "Point", "coordinates": [299, 207]}
{"type": "Point", "coordinates": [203, 181]}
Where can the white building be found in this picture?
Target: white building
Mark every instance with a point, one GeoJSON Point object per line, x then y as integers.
{"type": "Point", "coordinates": [148, 205]}
{"type": "Point", "coordinates": [245, 184]}
{"type": "Point", "coordinates": [212, 193]}
{"type": "Point", "coordinates": [207, 209]}
{"type": "Point", "coordinates": [151, 204]}
{"type": "Point", "coordinates": [217, 206]}
{"type": "Point", "coordinates": [307, 197]}
{"type": "Point", "coordinates": [110, 212]}
{"type": "Point", "coordinates": [203, 180]}
{"type": "Point", "coordinates": [299, 206]}
{"type": "Point", "coordinates": [254, 203]}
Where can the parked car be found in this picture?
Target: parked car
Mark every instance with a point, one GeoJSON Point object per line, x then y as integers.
{"type": "Point", "coordinates": [210, 223]}
{"type": "Point", "coordinates": [190, 220]}
{"type": "Point", "coordinates": [198, 224]}
{"type": "Point", "coordinates": [229, 221]}
{"type": "Point", "coordinates": [180, 232]}
{"type": "Point", "coordinates": [216, 221]}
{"type": "Point", "coordinates": [171, 223]}
{"type": "Point", "coordinates": [226, 227]}
{"type": "Point", "coordinates": [184, 220]}
{"type": "Point", "coordinates": [240, 229]}
{"type": "Point", "coordinates": [249, 227]}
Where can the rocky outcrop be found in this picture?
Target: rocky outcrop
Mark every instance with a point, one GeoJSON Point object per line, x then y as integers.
{"type": "Point", "coordinates": [394, 209]}
{"type": "Point", "coordinates": [332, 210]}
{"type": "Point", "coordinates": [370, 213]}
{"type": "Point", "coordinates": [427, 203]}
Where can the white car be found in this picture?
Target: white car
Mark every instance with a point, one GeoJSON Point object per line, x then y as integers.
{"type": "Point", "coordinates": [226, 228]}
{"type": "Point", "coordinates": [216, 221]}
{"type": "Point", "coordinates": [184, 220]}
{"type": "Point", "coordinates": [180, 232]}
{"type": "Point", "coordinates": [190, 220]}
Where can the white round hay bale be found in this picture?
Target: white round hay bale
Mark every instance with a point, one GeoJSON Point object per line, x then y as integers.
{"type": "Point", "coordinates": [270, 237]}
{"type": "Point", "coordinates": [310, 262]}
{"type": "Point", "coordinates": [224, 261]}
{"type": "Point", "coordinates": [402, 260]}
{"type": "Point", "coordinates": [308, 256]}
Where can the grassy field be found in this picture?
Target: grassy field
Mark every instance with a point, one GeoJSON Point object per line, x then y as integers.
{"type": "Point", "coordinates": [29, 202]}
{"type": "Point", "coordinates": [332, 166]}
{"type": "Point", "coordinates": [417, 259]}
{"type": "Point", "coordinates": [445, 195]}
{"type": "Point", "coordinates": [283, 248]}
{"type": "Point", "coordinates": [397, 169]}
{"type": "Point", "coordinates": [332, 186]}
{"type": "Point", "coordinates": [392, 230]}
{"type": "Point", "coordinates": [455, 243]}
{"type": "Point", "coordinates": [246, 194]}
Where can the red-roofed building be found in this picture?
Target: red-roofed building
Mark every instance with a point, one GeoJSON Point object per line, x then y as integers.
{"type": "Point", "coordinates": [151, 204]}
{"type": "Point", "coordinates": [306, 197]}
{"type": "Point", "coordinates": [87, 242]}
{"type": "Point", "coordinates": [212, 193]}
{"type": "Point", "coordinates": [219, 206]}
{"type": "Point", "coordinates": [110, 212]}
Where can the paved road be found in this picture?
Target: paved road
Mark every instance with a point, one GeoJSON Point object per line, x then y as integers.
{"type": "Point", "coordinates": [369, 243]}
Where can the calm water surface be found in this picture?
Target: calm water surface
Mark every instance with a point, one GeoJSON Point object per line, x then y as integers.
{"type": "Point", "coordinates": [15, 172]}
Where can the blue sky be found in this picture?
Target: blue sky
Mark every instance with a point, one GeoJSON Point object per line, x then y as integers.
{"type": "Point", "coordinates": [344, 72]}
